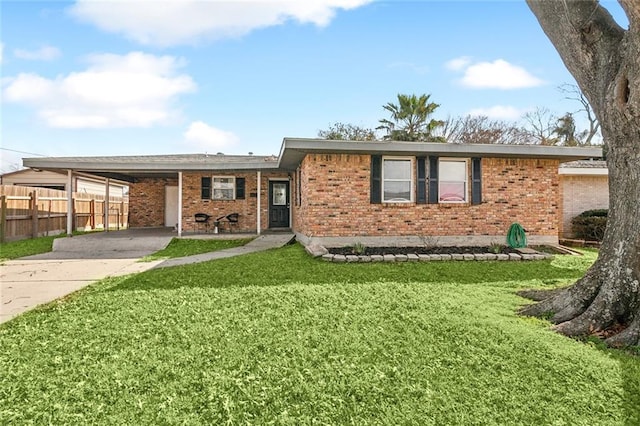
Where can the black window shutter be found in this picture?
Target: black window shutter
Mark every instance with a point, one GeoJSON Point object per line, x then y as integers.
{"type": "Point", "coordinates": [205, 188]}
{"type": "Point", "coordinates": [476, 181]}
{"type": "Point", "coordinates": [433, 180]}
{"type": "Point", "coordinates": [421, 196]}
{"type": "Point", "coordinates": [376, 179]}
{"type": "Point", "coordinates": [239, 188]}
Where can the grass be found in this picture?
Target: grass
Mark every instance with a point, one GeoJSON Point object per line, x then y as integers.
{"type": "Point", "coordinates": [180, 247]}
{"type": "Point", "coordinates": [27, 247]}
{"type": "Point", "coordinates": [280, 338]}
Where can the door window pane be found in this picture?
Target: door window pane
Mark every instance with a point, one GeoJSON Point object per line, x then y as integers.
{"type": "Point", "coordinates": [279, 194]}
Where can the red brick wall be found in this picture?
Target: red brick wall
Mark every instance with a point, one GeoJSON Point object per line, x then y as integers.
{"type": "Point", "coordinates": [192, 202]}
{"type": "Point", "coordinates": [335, 201]}
{"type": "Point", "coordinates": [146, 202]}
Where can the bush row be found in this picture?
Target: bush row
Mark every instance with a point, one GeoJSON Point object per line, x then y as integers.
{"type": "Point", "coordinates": [590, 224]}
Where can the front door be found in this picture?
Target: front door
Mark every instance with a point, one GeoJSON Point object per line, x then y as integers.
{"type": "Point", "coordinates": [278, 204]}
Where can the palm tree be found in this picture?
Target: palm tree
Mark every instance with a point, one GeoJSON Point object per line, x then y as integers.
{"type": "Point", "coordinates": [410, 120]}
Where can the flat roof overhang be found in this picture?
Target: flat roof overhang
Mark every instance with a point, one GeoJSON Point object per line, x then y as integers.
{"type": "Point", "coordinates": [130, 168]}
{"type": "Point", "coordinates": [294, 149]}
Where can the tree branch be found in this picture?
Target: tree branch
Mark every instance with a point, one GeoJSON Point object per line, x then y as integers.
{"type": "Point", "coordinates": [587, 38]}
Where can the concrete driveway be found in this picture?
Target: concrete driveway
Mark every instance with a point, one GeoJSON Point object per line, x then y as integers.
{"type": "Point", "coordinates": [74, 263]}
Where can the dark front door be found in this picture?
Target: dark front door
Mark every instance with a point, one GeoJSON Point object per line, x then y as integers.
{"type": "Point", "coordinates": [279, 204]}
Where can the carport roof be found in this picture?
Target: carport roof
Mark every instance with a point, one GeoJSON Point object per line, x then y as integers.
{"type": "Point", "coordinates": [128, 167]}
{"type": "Point", "coordinates": [292, 152]}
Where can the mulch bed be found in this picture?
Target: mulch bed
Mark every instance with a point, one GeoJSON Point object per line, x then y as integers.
{"type": "Point", "coordinates": [368, 251]}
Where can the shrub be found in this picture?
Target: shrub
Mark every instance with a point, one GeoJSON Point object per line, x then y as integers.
{"type": "Point", "coordinates": [590, 224]}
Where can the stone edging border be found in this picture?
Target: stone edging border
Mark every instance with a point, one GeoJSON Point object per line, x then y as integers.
{"type": "Point", "coordinates": [339, 258]}
{"type": "Point", "coordinates": [317, 250]}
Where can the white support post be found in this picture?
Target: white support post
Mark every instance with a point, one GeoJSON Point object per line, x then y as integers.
{"type": "Point", "coordinates": [259, 178]}
{"type": "Point", "coordinates": [179, 204]}
{"type": "Point", "coordinates": [106, 205]}
{"type": "Point", "coordinates": [69, 202]}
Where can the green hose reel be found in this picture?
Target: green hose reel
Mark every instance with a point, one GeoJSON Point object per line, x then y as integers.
{"type": "Point", "coordinates": [516, 237]}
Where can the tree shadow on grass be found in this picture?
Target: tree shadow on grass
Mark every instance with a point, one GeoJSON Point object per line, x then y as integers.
{"type": "Point", "coordinates": [291, 264]}
{"type": "Point", "coordinates": [629, 362]}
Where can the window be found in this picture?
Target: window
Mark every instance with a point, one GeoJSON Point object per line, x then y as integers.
{"type": "Point", "coordinates": [223, 188]}
{"type": "Point", "coordinates": [397, 185]}
{"type": "Point", "coordinates": [452, 187]}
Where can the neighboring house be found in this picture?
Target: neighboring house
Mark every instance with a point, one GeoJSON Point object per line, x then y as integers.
{"type": "Point", "coordinates": [341, 192]}
{"type": "Point", "coordinates": [56, 180]}
{"type": "Point", "coordinates": [584, 186]}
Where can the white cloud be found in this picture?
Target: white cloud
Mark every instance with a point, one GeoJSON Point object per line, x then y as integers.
{"type": "Point", "coordinates": [45, 53]}
{"type": "Point", "coordinates": [133, 90]}
{"type": "Point", "coordinates": [498, 74]}
{"type": "Point", "coordinates": [175, 22]}
{"type": "Point", "coordinates": [499, 112]}
{"type": "Point", "coordinates": [208, 138]}
{"type": "Point", "coordinates": [458, 64]}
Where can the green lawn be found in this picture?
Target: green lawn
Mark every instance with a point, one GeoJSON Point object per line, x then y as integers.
{"type": "Point", "coordinates": [280, 338]}
{"type": "Point", "coordinates": [180, 247]}
{"type": "Point", "coordinates": [29, 246]}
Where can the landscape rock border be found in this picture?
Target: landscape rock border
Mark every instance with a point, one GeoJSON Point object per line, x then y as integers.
{"type": "Point", "coordinates": [410, 257]}
{"type": "Point", "coordinates": [524, 254]}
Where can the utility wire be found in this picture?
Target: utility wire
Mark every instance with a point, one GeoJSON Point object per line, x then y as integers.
{"type": "Point", "coordinates": [22, 152]}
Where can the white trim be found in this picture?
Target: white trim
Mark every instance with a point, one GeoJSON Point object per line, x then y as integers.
{"type": "Point", "coordinates": [576, 171]}
{"type": "Point", "coordinates": [412, 188]}
{"type": "Point", "coordinates": [258, 204]}
{"type": "Point", "coordinates": [213, 183]}
{"type": "Point", "coordinates": [466, 179]}
{"type": "Point", "coordinates": [69, 202]}
{"type": "Point", "coordinates": [180, 204]}
{"type": "Point", "coordinates": [106, 206]}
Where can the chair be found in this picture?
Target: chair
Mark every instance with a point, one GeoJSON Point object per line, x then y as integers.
{"type": "Point", "coordinates": [231, 220]}
{"type": "Point", "coordinates": [202, 219]}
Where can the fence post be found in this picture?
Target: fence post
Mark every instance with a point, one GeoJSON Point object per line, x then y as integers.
{"type": "Point", "coordinates": [49, 217]}
{"type": "Point", "coordinates": [92, 214]}
{"type": "Point", "coordinates": [34, 214]}
{"type": "Point", "coordinates": [3, 217]}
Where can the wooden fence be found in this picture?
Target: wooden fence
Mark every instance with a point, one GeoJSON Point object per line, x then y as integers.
{"type": "Point", "coordinates": [28, 212]}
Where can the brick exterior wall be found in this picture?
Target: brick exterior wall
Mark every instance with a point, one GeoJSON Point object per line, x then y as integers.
{"type": "Point", "coordinates": [580, 193]}
{"type": "Point", "coordinates": [335, 201]}
{"type": "Point", "coordinates": [147, 201]}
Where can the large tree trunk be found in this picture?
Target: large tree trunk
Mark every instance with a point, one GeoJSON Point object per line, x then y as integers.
{"type": "Point", "coordinates": [605, 61]}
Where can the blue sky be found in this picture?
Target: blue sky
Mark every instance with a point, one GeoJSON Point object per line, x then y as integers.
{"type": "Point", "coordinates": [161, 77]}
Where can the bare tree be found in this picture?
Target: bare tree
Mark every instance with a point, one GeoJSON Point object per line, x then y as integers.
{"type": "Point", "coordinates": [540, 124]}
{"type": "Point", "coordinates": [482, 129]}
{"type": "Point", "coordinates": [603, 58]}
{"type": "Point", "coordinates": [573, 92]}
{"type": "Point", "coordinates": [347, 132]}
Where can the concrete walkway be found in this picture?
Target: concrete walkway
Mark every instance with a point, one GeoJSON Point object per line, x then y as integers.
{"type": "Point", "coordinates": [78, 261]}
{"type": "Point", "coordinates": [263, 242]}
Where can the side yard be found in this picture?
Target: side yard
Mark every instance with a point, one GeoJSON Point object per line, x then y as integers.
{"type": "Point", "coordinates": [279, 337]}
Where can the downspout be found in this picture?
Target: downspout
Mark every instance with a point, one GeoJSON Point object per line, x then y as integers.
{"type": "Point", "coordinates": [259, 178]}
{"type": "Point", "coordinates": [179, 204]}
{"type": "Point", "coordinates": [69, 202]}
